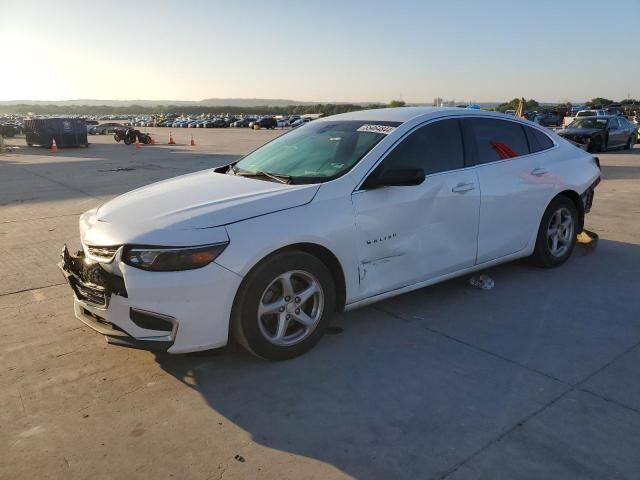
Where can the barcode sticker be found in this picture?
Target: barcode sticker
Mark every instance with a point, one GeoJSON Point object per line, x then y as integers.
{"type": "Point", "coordinates": [383, 129]}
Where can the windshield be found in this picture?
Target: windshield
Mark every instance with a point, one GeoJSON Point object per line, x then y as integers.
{"type": "Point", "coordinates": [318, 151]}
{"type": "Point", "coordinates": [590, 122]}
{"type": "Point", "coordinates": [587, 113]}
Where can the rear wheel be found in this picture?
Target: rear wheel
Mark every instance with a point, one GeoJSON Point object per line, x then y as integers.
{"type": "Point", "coordinates": [284, 306]}
{"type": "Point", "coordinates": [556, 234]}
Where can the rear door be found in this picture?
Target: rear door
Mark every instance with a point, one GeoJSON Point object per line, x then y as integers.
{"type": "Point", "coordinates": [414, 233]}
{"type": "Point", "coordinates": [617, 135]}
{"type": "Point", "coordinates": [515, 183]}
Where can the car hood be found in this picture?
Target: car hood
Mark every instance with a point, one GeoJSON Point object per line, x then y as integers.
{"type": "Point", "coordinates": [578, 131]}
{"type": "Point", "coordinates": [202, 200]}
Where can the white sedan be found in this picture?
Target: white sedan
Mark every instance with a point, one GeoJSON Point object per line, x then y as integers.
{"type": "Point", "coordinates": [339, 213]}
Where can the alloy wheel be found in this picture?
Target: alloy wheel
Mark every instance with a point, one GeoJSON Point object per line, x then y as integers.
{"type": "Point", "coordinates": [290, 308]}
{"type": "Point", "coordinates": [560, 232]}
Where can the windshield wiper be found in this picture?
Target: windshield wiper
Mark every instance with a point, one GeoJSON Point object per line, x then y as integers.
{"type": "Point", "coordinates": [278, 177]}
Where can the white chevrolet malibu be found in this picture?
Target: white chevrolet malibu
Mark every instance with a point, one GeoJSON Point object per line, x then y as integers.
{"type": "Point", "coordinates": [339, 213]}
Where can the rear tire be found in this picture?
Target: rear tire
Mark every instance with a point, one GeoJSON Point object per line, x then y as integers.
{"type": "Point", "coordinates": [556, 234]}
{"type": "Point", "coordinates": [283, 306]}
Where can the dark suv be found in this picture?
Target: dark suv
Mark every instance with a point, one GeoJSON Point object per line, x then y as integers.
{"type": "Point", "coordinates": [548, 119]}
{"type": "Point", "coordinates": [266, 122]}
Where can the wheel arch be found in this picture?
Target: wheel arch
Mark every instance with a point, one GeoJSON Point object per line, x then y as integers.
{"type": "Point", "coordinates": [323, 254]}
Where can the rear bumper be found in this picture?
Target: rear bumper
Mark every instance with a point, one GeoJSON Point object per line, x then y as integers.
{"type": "Point", "coordinates": [178, 312]}
{"type": "Point", "coordinates": [587, 196]}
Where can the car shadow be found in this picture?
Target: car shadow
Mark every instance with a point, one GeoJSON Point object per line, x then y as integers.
{"type": "Point", "coordinates": [396, 395]}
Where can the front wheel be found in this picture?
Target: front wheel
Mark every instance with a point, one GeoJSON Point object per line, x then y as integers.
{"type": "Point", "coordinates": [284, 306]}
{"type": "Point", "coordinates": [556, 234]}
{"type": "Point", "coordinates": [630, 143]}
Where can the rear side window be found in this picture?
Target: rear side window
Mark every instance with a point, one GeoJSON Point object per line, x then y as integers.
{"type": "Point", "coordinates": [538, 141]}
{"type": "Point", "coordinates": [498, 139]}
{"type": "Point", "coordinates": [436, 147]}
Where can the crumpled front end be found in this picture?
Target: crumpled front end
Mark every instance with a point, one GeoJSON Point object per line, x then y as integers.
{"type": "Point", "coordinates": [175, 311]}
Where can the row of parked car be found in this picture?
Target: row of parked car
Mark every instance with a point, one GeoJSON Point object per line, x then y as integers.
{"type": "Point", "coordinates": [266, 122]}
{"type": "Point", "coordinates": [9, 127]}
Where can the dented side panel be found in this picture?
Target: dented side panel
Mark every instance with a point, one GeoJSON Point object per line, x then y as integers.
{"type": "Point", "coordinates": [409, 234]}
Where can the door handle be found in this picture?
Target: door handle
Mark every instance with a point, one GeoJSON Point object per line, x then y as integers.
{"type": "Point", "coordinates": [463, 187]}
{"type": "Point", "coordinates": [538, 172]}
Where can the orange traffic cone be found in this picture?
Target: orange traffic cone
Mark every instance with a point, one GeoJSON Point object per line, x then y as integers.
{"type": "Point", "coordinates": [137, 144]}
{"type": "Point", "coordinates": [192, 143]}
{"type": "Point", "coordinates": [171, 141]}
{"type": "Point", "coordinates": [54, 147]}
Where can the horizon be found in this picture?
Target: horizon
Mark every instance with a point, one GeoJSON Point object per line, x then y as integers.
{"type": "Point", "coordinates": [372, 52]}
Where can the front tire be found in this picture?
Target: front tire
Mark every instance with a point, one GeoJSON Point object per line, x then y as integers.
{"type": "Point", "coordinates": [630, 143]}
{"type": "Point", "coordinates": [283, 306]}
{"type": "Point", "coordinates": [556, 234]}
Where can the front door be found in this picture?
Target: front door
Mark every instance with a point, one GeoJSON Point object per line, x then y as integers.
{"type": "Point", "coordinates": [407, 234]}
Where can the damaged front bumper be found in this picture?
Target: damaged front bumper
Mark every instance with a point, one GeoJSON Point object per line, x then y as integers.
{"type": "Point", "coordinates": [101, 296]}
{"type": "Point", "coordinates": [180, 312]}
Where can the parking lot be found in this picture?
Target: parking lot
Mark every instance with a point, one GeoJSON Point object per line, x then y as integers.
{"type": "Point", "coordinates": [536, 378]}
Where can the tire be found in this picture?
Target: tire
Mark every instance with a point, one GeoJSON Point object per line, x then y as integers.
{"type": "Point", "coordinates": [560, 209]}
{"type": "Point", "coordinates": [277, 334]}
{"type": "Point", "coordinates": [127, 141]}
{"type": "Point", "coordinates": [630, 143]}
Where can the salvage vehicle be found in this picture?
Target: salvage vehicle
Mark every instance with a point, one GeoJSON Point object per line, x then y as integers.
{"type": "Point", "coordinates": [129, 136]}
{"type": "Point", "coordinates": [269, 123]}
{"type": "Point", "coordinates": [549, 119]}
{"type": "Point", "coordinates": [8, 129]}
{"type": "Point", "coordinates": [591, 113]}
{"type": "Point", "coordinates": [601, 133]}
{"type": "Point", "coordinates": [243, 122]}
{"type": "Point", "coordinates": [216, 123]}
{"type": "Point", "coordinates": [105, 128]}
{"type": "Point", "coordinates": [333, 215]}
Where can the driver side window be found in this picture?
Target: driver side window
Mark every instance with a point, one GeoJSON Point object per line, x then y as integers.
{"type": "Point", "coordinates": [436, 147]}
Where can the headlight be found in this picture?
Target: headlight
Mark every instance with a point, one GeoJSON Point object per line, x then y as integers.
{"type": "Point", "coordinates": [171, 259]}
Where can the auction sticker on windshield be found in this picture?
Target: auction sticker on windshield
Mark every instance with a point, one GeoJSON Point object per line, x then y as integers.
{"type": "Point", "coordinates": [383, 129]}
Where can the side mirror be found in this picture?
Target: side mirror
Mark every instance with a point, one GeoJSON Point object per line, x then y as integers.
{"type": "Point", "coordinates": [395, 177]}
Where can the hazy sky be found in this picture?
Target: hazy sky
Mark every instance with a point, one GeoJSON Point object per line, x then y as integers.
{"type": "Point", "coordinates": [328, 50]}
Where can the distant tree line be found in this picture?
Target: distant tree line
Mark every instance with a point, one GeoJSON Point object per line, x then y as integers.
{"type": "Point", "coordinates": [513, 105]}
{"type": "Point", "coordinates": [323, 108]}
{"type": "Point", "coordinates": [598, 102]}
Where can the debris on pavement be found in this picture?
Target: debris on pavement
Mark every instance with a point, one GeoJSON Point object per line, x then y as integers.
{"type": "Point", "coordinates": [482, 281]}
{"type": "Point", "coordinates": [587, 240]}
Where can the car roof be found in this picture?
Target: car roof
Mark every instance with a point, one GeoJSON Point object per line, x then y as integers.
{"type": "Point", "coordinates": [404, 114]}
{"type": "Point", "coordinates": [601, 116]}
